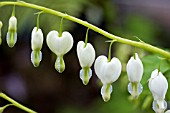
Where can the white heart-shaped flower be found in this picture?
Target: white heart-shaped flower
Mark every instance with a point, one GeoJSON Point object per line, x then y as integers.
{"type": "Point", "coordinates": [36, 39]}
{"type": "Point", "coordinates": [59, 45]}
{"type": "Point", "coordinates": [158, 85]}
{"type": "Point", "coordinates": [107, 72]}
{"type": "Point", "coordinates": [12, 23]}
{"type": "Point", "coordinates": [86, 55]}
{"type": "Point", "coordinates": [134, 69]}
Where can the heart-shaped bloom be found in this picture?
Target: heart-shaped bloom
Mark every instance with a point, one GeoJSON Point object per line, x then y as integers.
{"type": "Point", "coordinates": [134, 69]}
{"type": "Point", "coordinates": [158, 85]}
{"type": "Point", "coordinates": [12, 31]}
{"type": "Point", "coordinates": [36, 45]}
{"type": "Point", "coordinates": [86, 56]}
{"type": "Point", "coordinates": [36, 39]}
{"type": "Point", "coordinates": [107, 72]}
{"type": "Point", "coordinates": [60, 46]}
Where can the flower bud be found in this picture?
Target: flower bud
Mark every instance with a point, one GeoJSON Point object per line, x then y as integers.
{"type": "Point", "coordinates": [60, 46]}
{"type": "Point", "coordinates": [107, 72]}
{"type": "Point", "coordinates": [158, 85]}
{"type": "Point", "coordinates": [12, 32]}
{"type": "Point", "coordinates": [134, 69]}
{"type": "Point", "coordinates": [36, 39]}
{"type": "Point", "coordinates": [86, 56]}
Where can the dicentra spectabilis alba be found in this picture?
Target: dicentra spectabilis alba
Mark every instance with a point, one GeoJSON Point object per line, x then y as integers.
{"type": "Point", "coordinates": [86, 56]}
{"type": "Point", "coordinates": [108, 72]}
{"type": "Point", "coordinates": [134, 70]}
{"type": "Point", "coordinates": [158, 85]}
{"type": "Point", "coordinates": [36, 45]}
{"type": "Point", "coordinates": [11, 37]}
{"type": "Point", "coordinates": [0, 32]}
{"type": "Point", "coordinates": [60, 46]}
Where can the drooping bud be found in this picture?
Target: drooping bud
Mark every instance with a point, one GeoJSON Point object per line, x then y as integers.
{"type": "Point", "coordinates": [0, 32]}
{"type": "Point", "coordinates": [134, 70]}
{"type": "Point", "coordinates": [86, 56]}
{"type": "Point", "coordinates": [12, 32]}
{"type": "Point", "coordinates": [60, 46]}
{"type": "Point", "coordinates": [36, 45]}
{"type": "Point", "coordinates": [107, 72]}
{"type": "Point", "coordinates": [158, 85]}
{"type": "Point", "coordinates": [36, 39]}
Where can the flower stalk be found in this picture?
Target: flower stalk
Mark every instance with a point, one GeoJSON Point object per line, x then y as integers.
{"type": "Point", "coordinates": [16, 104]}
{"type": "Point", "coordinates": [139, 44]}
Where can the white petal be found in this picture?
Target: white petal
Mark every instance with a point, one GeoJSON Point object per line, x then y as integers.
{"type": "Point", "coordinates": [86, 55]}
{"type": "Point", "coordinates": [167, 111]}
{"type": "Point", "coordinates": [107, 72]}
{"type": "Point", "coordinates": [134, 69]}
{"type": "Point", "coordinates": [59, 45]}
{"type": "Point", "coordinates": [36, 39]}
{"type": "Point", "coordinates": [12, 23]}
{"type": "Point", "coordinates": [158, 85]}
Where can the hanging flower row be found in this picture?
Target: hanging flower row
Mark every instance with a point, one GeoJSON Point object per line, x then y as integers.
{"type": "Point", "coordinates": [107, 69]}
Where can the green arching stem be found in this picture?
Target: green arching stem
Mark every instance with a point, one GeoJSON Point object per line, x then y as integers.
{"type": "Point", "coordinates": [86, 39]}
{"type": "Point", "coordinates": [140, 44]}
{"type": "Point", "coordinates": [16, 104]}
{"type": "Point", "coordinates": [61, 27]}
{"type": "Point", "coordinates": [110, 50]}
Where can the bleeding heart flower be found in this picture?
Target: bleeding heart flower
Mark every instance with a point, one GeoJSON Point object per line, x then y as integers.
{"type": "Point", "coordinates": [134, 70]}
{"type": "Point", "coordinates": [12, 32]}
{"type": "Point", "coordinates": [158, 85]}
{"type": "Point", "coordinates": [86, 56]}
{"type": "Point", "coordinates": [108, 72]}
{"type": "Point", "coordinates": [60, 46]}
{"type": "Point", "coordinates": [36, 45]}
